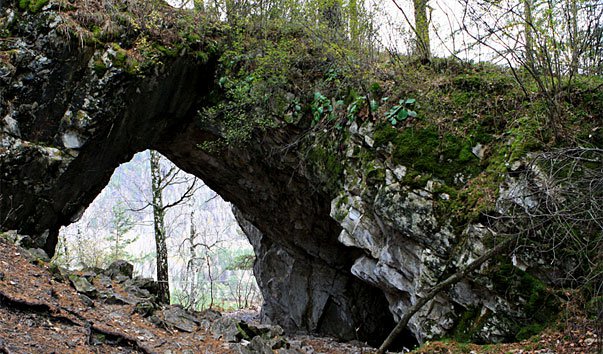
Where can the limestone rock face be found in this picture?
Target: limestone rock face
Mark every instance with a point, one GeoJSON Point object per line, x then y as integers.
{"type": "Point", "coordinates": [409, 248]}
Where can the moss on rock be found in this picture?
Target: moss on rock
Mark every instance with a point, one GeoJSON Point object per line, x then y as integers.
{"type": "Point", "coordinates": [427, 151]}
{"type": "Point", "coordinates": [538, 304]}
{"type": "Point", "coordinates": [32, 5]}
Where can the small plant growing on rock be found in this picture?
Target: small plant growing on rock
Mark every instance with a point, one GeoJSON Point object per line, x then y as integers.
{"type": "Point", "coordinates": [321, 105]}
{"type": "Point", "coordinates": [401, 111]}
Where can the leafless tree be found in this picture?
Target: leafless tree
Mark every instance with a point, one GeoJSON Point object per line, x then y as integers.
{"type": "Point", "coordinates": [163, 176]}
{"type": "Point", "coordinates": [557, 202]}
{"type": "Point", "coordinates": [557, 37]}
{"type": "Point", "coordinates": [200, 249]}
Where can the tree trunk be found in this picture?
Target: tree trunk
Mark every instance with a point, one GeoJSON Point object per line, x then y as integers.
{"type": "Point", "coordinates": [529, 38]}
{"type": "Point", "coordinates": [574, 43]}
{"type": "Point", "coordinates": [354, 22]}
{"type": "Point", "coordinates": [159, 226]}
{"type": "Point", "coordinates": [211, 280]}
{"type": "Point", "coordinates": [193, 261]}
{"type": "Point", "coordinates": [422, 49]}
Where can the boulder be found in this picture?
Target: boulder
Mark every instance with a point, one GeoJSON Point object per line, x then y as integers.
{"type": "Point", "coordinates": [119, 268]}
{"type": "Point", "coordinates": [35, 255]}
{"type": "Point", "coordinates": [148, 284]}
{"type": "Point", "coordinates": [82, 285]}
{"type": "Point", "coordinates": [179, 318]}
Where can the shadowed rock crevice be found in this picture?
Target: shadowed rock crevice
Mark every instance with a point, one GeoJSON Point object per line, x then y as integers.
{"type": "Point", "coordinates": [322, 298]}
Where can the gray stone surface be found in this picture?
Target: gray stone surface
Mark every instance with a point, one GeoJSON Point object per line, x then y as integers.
{"type": "Point", "coordinates": [307, 293]}
{"type": "Point", "coordinates": [82, 285]}
{"type": "Point", "coordinates": [180, 319]}
{"type": "Point", "coordinates": [119, 268]}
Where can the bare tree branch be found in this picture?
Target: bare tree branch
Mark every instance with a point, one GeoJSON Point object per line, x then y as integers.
{"type": "Point", "coordinates": [453, 279]}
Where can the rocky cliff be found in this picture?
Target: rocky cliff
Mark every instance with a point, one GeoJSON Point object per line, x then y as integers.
{"type": "Point", "coordinates": [352, 220]}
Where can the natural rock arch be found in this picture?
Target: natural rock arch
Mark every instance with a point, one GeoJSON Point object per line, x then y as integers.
{"type": "Point", "coordinates": [68, 126]}
{"type": "Point", "coordinates": [72, 110]}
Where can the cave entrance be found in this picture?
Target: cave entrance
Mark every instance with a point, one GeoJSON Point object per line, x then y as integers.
{"type": "Point", "coordinates": [210, 259]}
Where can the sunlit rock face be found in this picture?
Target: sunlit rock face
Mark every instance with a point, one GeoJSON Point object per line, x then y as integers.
{"type": "Point", "coordinates": [66, 125]}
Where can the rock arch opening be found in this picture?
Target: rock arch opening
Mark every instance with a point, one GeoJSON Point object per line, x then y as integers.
{"type": "Point", "coordinates": [209, 256]}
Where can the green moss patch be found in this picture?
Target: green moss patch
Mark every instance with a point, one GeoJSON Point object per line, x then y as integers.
{"type": "Point", "coordinates": [327, 165]}
{"type": "Point", "coordinates": [468, 325]}
{"type": "Point", "coordinates": [483, 82]}
{"type": "Point", "coordinates": [539, 305]}
{"type": "Point", "coordinates": [32, 5]}
{"type": "Point", "coordinates": [427, 151]}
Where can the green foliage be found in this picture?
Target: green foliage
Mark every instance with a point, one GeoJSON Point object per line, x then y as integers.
{"type": "Point", "coordinates": [401, 111]}
{"type": "Point", "coordinates": [264, 81]}
{"type": "Point", "coordinates": [355, 107]}
{"type": "Point", "coordinates": [242, 262]}
{"type": "Point", "coordinates": [321, 106]}
{"type": "Point", "coordinates": [24, 4]}
{"type": "Point", "coordinates": [32, 5]}
{"type": "Point", "coordinates": [237, 111]}
{"type": "Point", "coordinates": [167, 50]}
{"type": "Point", "coordinates": [118, 239]}
{"type": "Point", "coordinates": [253, 89]}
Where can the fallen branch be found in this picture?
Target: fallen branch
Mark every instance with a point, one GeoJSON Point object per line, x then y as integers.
{"type": "Point", "coordinates": [453, 279]}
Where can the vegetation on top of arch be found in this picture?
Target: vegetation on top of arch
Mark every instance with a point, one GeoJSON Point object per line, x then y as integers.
{"type": "Point", "coordinates": [311, 64]}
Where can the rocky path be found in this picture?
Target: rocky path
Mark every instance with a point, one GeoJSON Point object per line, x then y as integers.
{"type": "Point", "coordinates": [44, 309]}
{"type": "Point", "coordinates": [42, 313]}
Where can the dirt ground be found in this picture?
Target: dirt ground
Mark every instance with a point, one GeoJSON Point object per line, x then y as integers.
{"type": "Point", "coordinates": [39, 314]}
